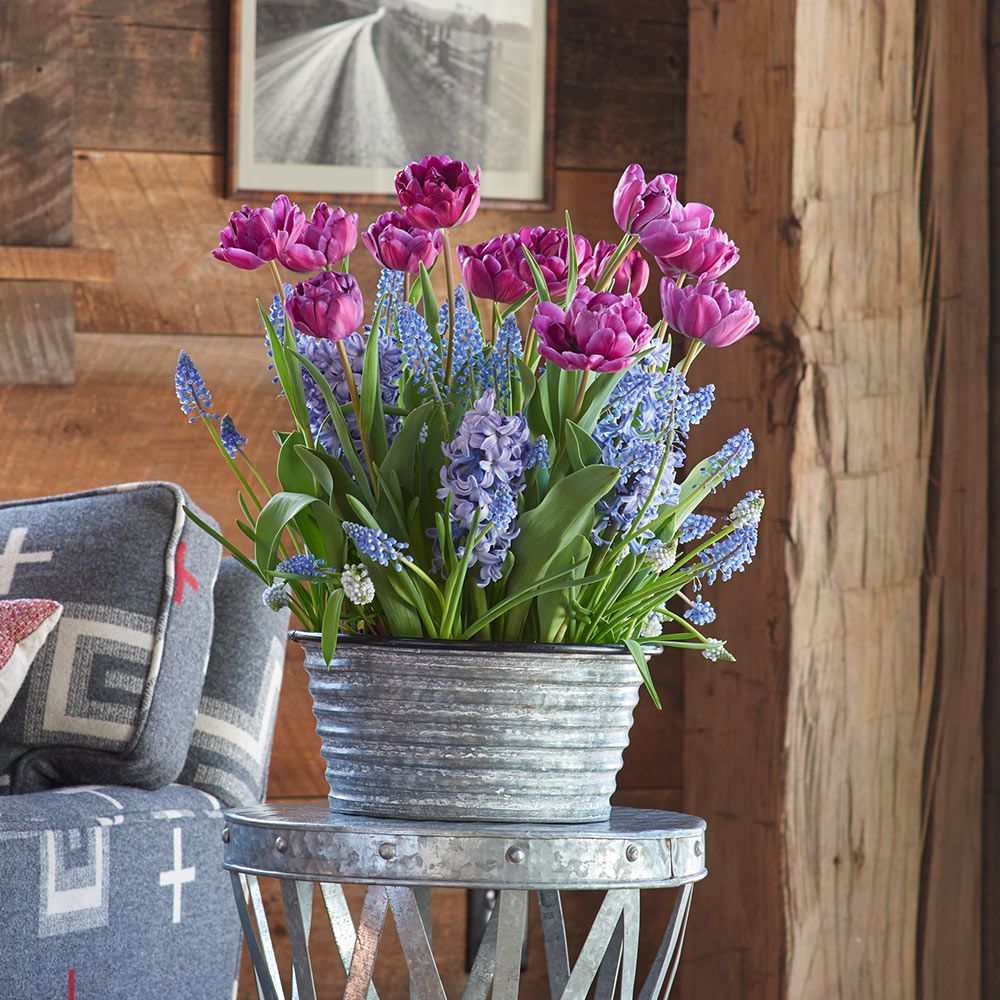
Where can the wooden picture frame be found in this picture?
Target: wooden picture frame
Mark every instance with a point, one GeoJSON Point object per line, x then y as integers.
{"type": "Point", "coordinates": [236, 174]}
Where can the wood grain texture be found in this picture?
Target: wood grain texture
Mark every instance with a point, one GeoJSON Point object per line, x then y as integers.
{"type": "Point", "coordinates": [151, 78]}
{"type": "Point", "coordinates": [955, 220]}
{"type": "Point", "coordinates": [739, 133]}
{"type": "Point", "coordinates": [162, 213]}
{"type": "Point", "coordinates": [991, 698]}
{"type": "Point", "coordinates": [36, 334]}
{"type": "Point", "coordinates": [56, 264]}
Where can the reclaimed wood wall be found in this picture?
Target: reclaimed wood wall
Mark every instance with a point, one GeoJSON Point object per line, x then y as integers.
{"type": "Point", "coordinates": [149, 108]}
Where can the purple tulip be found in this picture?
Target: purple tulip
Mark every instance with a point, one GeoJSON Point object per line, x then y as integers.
{"type": "Point", "coordinates": [675, 234]}
{"type": "Point", "coordinates": [396, 243]}
{"type": "Point", "coordinates": [438, 192]}
{"type": "Point", "coordinates": [489, 270]}
{"type": "Point", "coordinates": [637, 204]}
{"type": "Point", "coordinates": [328, 306]}
{"type": "Point", "coordinates": [600, 331]}
{"type": "Point", "coordinates": [328, 237]}
{"type": "Point", "coordinates": [550, 248]}
{"type": "Point", "coordinates": [258, 235]}
{"type": "Point", "coordinates": [632, 275]}
{"type": "Point", "coordinates": [708, 311]}
{"type": "Point", "coordinates": [710, 255]}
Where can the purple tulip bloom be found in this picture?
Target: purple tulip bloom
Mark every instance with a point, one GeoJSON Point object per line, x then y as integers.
{"type": "Point", "coordinates": [638, 203]}
{"type": "Point", "coordinates": [258, 235]}
{"type": "Point", "coordinates": [674, 234]}
{"type": "Point", "coordinates": [708, 311]}
{"type": "Point", "coordinates": [600, 331]}
{"type": "Point", "coordinates": [550, 248]}
{"type": "Point", "coordinates": [438, 192]}
{"type": "Point", "coordinates": [328, 306]}
{"type": "Point", "coordinates": [400, 245]}
{"type": "Point", "coordinates": [710, 255]}
{"type": "Point", "coordinates": [489, 270]}
{"type": "Point", "coordinates": [328, 237]}
{"type": "Point", "coordinates": [632, 275]}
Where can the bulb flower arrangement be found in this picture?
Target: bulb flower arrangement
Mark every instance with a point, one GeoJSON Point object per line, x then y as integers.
{"type": "Point", "coordinates": [448, 473]}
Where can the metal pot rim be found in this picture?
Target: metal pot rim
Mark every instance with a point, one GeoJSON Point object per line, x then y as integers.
{"type": "Point", "coordinates": [467, 645]}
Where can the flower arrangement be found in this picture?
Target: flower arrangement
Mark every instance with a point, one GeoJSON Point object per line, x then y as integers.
{"type": "Point", "coordinates": [450, 475]}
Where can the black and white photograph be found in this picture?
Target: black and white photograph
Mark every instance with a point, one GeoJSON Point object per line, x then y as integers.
{"type": "Point", "coordinates": [336, 95]}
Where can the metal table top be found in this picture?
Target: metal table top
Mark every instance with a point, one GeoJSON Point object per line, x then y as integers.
{"type": "Point", "coordinates": [636, 848]}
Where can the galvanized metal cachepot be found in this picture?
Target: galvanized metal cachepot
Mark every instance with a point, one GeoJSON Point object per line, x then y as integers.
{"type": "Point", "coordinates": [426, 729]}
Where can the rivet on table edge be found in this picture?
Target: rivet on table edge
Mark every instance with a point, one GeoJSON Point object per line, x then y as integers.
{"type": "Point", "coordinates": [697, 849]}
{"type": "Point", "coordinates": [515, 854]}
{"type": "Point", "coordinates": [225, 835]}
{"type": "Point", "coordinates": [632, 852]}
{"type": "Point", "coordinates": [386, 851]}
{"type": "Point", "coordinates": [281, 845]}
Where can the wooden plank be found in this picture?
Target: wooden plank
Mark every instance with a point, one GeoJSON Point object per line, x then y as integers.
{"type": "Point", "coordinates": [957, 292]}
{"type": "Point", "coordinates": [153, 79]}
{"type": "Point", "coordinates": [162, 214]}
{"type": "Point", "coordinates": [621, 93]}
{"type": "Point", "coordinates": [56, 264]}
{"type": "Point", "coordinates": [36, 333]}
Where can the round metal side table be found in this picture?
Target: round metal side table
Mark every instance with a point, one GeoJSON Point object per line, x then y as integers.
{"type": "Point", "coordinates": [303, 843]}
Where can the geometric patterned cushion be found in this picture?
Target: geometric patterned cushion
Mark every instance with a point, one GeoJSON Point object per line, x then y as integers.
{"type": "Point", "coordinates": [112, 695]}
{"type": "Point", "coordinates": [231, 743]}
{"type": "Point", "coordinates": [24, 626]}
{"type": "Point", "coordinates": [115, 893]}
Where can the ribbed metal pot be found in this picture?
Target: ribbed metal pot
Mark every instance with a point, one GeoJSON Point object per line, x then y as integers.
{"type": "Point", "coordinates": [478, 731]}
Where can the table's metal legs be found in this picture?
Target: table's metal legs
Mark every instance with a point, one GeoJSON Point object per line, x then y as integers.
{"type": "Point", "coordinates": [607, 960]}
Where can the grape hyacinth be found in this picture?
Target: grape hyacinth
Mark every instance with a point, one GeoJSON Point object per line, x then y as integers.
{"type": "Point", "coordinates": [700, 612]}
{"type": "Point", "coordinates": [232, 439]}
{"type": "Point", "coordinates": [695, 526]}
{"type": "Point", "coordinates": [376, 545]}
{"type": "Point", "coordinates": [729, 555]}
{"type": "Point", "coordinates": [276, 596]}
{"type": "Point", "coordinates": [732, 458]}
{"type": "Point", "coordinates": [500, 371]}
{"type": "Point", "coordinates": [420, 350]}
{"type": "Point", "coordinates": [357, 584]}
{"type": "Point", "coordinates": [304, 564]}
{"type": "Point", "coordinates": [467, 359]}
{"type": "Point", "coordinates": [748, 510]}
{"type": "Point", "coordinates": [717, 652]}
{"type": "Point", "coordinates": [192, 393]}
{"type": "Point", "coordinates": [485, 469]}
{"type": "Point", "coordinates": [652, 626]}
{"type": "Point", "coordinates": [660, 556]}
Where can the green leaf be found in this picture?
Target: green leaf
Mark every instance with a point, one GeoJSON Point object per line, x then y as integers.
{"type": "Point", "coordinates": [566, 512]}
{"type": "Point", "coordinates": [271, 522]}
{"type": "Point", "coordinates": [331, 624]}
{"type": "Point", "coordinates": [372, 414]}
{"type": "Point", "coordinates": [402, 457]}
{"type": "Point", "coordinates": [554, 608]}
{"type": "Point", "coordinates": [225, 543]}
{"type": "Point", "coordinates": [573, 266]}
{"type": "Point", "coordinates": [582, 449]}
{"type": "Point", "coordinates": [640, 661]}
{"type": "Point", "coordinates": [597, 396]}
{"type": "Point", "coordinates": [320, 471]}
{"type": "Point", "coordinates": [293, 474]}
{"type": "Point", "coordinates": [430, 304]}
{"type": "Point", "coordinates": [536, 272]}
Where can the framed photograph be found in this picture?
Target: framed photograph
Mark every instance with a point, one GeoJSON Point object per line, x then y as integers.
{"type": "Point", "coordinates": [332, 97]}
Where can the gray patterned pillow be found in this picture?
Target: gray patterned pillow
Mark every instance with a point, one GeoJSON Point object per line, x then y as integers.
{"type": "Point", "coordinates": [231, 744]}
{"type": "Point", "coordinates": [111, 697]}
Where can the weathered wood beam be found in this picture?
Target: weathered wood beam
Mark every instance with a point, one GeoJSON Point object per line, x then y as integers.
{"type": "Point", "coordinates": [36, 199]}
{"type": "Point", "coordinates": [56, 264]}
{"type": "Point", "coordinates": [838, 762]}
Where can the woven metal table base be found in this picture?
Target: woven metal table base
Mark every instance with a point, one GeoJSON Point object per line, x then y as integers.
{"type": "Point", "coordinates": [608, 957]}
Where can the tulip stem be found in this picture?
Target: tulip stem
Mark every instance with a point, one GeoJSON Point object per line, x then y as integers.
{"type": "Point", "coordinates": [449, 277]}
{"type": "Point", "coordinates": [277, 280]}
{"type": "Point", "coordinates": [580, 393]}
{"type": "Point", "coordinates": [406, 287]}
{"type": "Point", "coordinates": [693, 351]}
{"type": "Point", "coordinates": [345, 364]}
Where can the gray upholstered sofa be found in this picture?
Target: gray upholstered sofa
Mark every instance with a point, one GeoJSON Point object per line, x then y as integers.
{"type": "Point", "coordinates": [148, 710]}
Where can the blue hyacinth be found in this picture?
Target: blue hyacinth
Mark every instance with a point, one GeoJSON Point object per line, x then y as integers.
{"type": "Point", "coordinates": [485, 468]}
{"type": "Point", "coordinates": [192, 393]}
{"type": "Point", "coordinates": [375, 544]}
{"type": "Point", "coordinates": [304, 564]}
{"type": "Point", "coordinates": [232, 439]}
{"type": "Point", "coordinates": [700, 613]}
